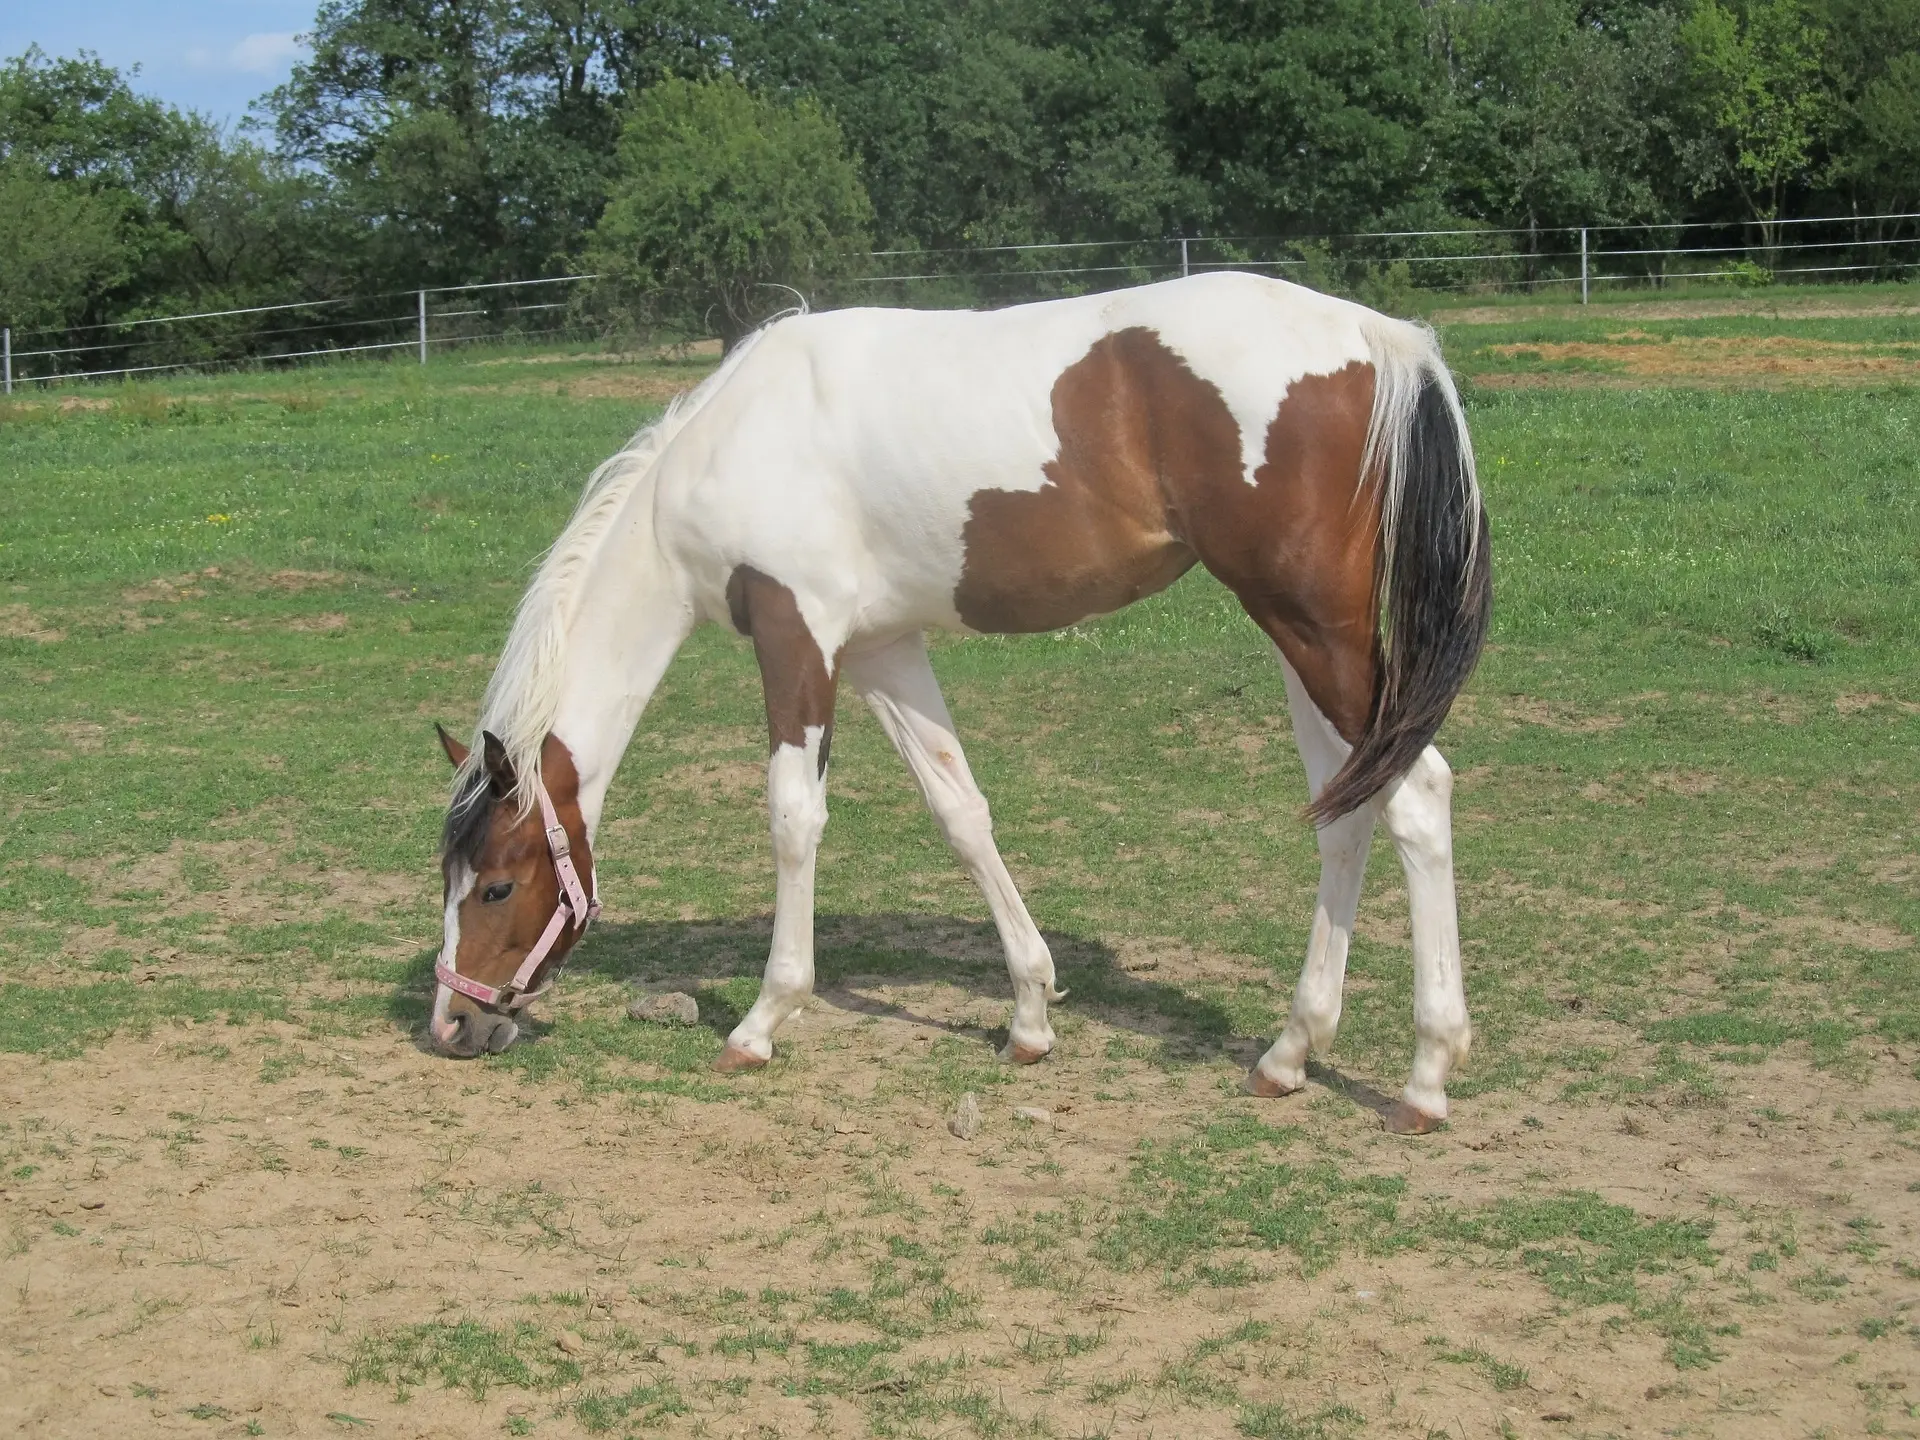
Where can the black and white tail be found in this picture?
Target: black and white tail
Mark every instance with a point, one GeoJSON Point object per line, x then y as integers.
{"type": "Point", "coordinates": [1433, 577]}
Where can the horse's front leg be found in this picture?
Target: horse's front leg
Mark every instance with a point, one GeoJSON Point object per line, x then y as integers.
{"type": "Point", "coordinates": [898, 682]}
{"type": "Point", "coordinates": [799, 686]}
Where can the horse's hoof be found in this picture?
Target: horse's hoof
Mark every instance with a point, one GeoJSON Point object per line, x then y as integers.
{"type": "Point", "coordinates": [1405, 1119]}
{"type": "Point", "coordinates": [1258, 1082]}
{"type": "Point", "coordinates": [1025, 1054]}
{"type": "Point", "coordinates": [733, 1059]}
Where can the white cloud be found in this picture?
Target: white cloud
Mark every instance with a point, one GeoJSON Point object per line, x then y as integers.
{"type": "Point", "coordinates": [265, 54]}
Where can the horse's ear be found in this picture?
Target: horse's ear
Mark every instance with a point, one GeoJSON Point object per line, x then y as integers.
{"type": "Point", "coordinates": [456, 752]}
{"type": "Point", "coordinates": [500, 778]}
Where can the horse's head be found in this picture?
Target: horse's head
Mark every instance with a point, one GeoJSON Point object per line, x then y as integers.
{"type": "Point", "coordinates": [515, 904]}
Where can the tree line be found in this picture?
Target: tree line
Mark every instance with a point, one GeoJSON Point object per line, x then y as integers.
{"type": "Point", "coordinates": [694, 152]}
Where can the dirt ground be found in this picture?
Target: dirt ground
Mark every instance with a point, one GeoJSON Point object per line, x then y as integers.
{"type": "Point", "coordinates": [218, 1248]}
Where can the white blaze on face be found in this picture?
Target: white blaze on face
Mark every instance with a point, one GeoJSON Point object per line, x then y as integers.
{"type": "Point", "coordinates": [459, 885]}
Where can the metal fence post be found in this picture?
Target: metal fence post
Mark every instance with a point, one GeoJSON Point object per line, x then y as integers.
{"type": "Point", "coordinates": [1184, 270]}
{"type": "Point", "coordinates": [423, 327]}
{"type": "Point", "coordinates": [1583, 264]}
{"type": "Point", "coordinates": [7, 345]}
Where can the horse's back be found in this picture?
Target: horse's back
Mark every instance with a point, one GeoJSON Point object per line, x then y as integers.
{"type": "Point", "coordinates": [997, 470]}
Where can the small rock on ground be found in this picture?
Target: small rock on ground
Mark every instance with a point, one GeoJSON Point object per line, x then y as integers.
{"type": "Point", "coordinates": [673, 1008]}
{"type": "Point", "coordinates": [1034, 1113]}
{"type": "Point", "coordinates": [965, 1121]}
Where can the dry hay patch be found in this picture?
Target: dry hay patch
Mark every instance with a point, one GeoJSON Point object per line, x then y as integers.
{"type": "Point", "coordinates": [1672, 310]}
{"type": "Point", "coordinates": [651, 387]}
{"type": "Point", "coordinates": [1774, 359]}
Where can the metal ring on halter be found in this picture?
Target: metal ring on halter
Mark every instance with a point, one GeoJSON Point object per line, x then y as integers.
{"type": "Point", "coordinates": [577, 909]}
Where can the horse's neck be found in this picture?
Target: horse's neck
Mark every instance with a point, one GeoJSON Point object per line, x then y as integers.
{"type": "Point", "coordinates": [630, 620]}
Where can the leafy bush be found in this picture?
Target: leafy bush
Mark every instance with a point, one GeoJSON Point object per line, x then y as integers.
{"type": "Point", "coordinates": [723, 201]}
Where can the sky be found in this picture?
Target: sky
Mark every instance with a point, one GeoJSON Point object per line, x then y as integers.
{"type": "Point", "coordinates": [214, 56]}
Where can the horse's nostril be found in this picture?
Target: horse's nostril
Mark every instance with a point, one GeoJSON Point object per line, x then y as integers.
{"type": "Point", "coordinates": [449, 1032]}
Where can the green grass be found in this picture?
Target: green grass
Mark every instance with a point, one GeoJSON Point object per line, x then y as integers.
{"type": "Point", "coordinates": [1687, 584]}
{"type": "Point", "coordinates": [230, 610]}
{"type": "Point", "coordinates": [462, 1355]}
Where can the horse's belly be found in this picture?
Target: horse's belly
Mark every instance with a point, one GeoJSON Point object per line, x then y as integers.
{"type": "Point", "coordinates": [1029, 570]}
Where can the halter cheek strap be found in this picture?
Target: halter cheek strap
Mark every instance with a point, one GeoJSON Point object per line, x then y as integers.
{"type": "Point", "coordinates": [576, 910]}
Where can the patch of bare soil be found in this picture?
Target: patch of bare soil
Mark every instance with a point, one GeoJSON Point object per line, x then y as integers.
{"type": "Point", "coordinates": [1773, 359]}
{"type": "Point", "coordinates": [1511, 710]}
{"type": "Point", "coordinates": [223, 884]}
{"type": "Point", "coordinates": [18, 622]}
{"type": "Point", "coordinates": [323, 624]}
{"type": "Point", "coordinates": [194, 1248]}
{"type": "Point", "coordinates": [195, 584]}
{"type": "Point", "coordinates": [715, 781]}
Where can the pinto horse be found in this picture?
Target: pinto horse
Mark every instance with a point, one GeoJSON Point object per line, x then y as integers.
{"type": "Point", "coordinates": [845, 481]}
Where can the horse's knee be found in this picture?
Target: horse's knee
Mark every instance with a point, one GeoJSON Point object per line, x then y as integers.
{"type": "Point", "coordinates": [1419, 813]}
{"type": "Point", "coordinates": [796, 803]}
{"type": "Point", "coordinates": [966, 822]}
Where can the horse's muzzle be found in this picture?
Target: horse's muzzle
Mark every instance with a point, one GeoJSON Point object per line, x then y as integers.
{"type": "Point", "coordinates": [468, 1032]}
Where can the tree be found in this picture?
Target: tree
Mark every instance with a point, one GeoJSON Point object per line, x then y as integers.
{"type": "Point", "coordinates": [62, 245]}
{"type": "Point", "coordinates": [1557, 118]}
{"type": "Point", "coordinates": [1873, 55]}
{"type": "Point", "coordinates": [721, 198]}
{"type": "Point", "coordinates": [1303, 115]}
{"type": "Point", "coordinates": [1760, 72]}
{"type": "Point", "coordinates": [999, 121]}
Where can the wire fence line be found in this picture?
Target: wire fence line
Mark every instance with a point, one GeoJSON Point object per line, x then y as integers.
{"type": "Point", "coordinates": [1384, 266]}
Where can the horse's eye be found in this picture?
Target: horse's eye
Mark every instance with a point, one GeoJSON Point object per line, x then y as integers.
{"type": "Point", "coordinates": [494, 894]}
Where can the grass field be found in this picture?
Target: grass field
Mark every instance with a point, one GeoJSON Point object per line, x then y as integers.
{"type": "Point", "coordinates": [1677, 1194]}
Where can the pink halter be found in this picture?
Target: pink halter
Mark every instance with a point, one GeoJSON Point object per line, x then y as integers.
{"type": "Point", "coordinates": [575, 910]}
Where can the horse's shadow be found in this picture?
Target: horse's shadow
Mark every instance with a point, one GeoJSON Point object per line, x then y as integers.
{"type": "Point", "coordinates": [856, 955]}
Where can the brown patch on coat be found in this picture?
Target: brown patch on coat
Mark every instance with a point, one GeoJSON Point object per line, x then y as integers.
{"type": "Point", "coordinates": [1149, 478]}
{"type": "Point", "coordinates": [795, 676]}
{"type": "Point", "coordinates": [495, 938]}
{"type": "Point", "coordinates": [1299, 546]}
{"type": "Point", "coordinates": [1133, 422]}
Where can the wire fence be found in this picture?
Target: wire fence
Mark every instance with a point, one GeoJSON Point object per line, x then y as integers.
{"type": "Point", "coordinates": [1387, 268]}
{"type": "Point", "coordinates": [415, 321]}
{"type": "Point", "coordinates": [1392, 266]}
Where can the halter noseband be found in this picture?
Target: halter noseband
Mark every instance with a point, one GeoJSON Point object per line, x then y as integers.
{"type": "Point", "coordinates": [576, 910]}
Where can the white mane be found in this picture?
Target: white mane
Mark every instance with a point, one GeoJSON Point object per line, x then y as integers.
{"type": "Point", "coordinates": [523, 696]}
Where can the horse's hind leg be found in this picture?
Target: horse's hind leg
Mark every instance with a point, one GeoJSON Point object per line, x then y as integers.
{"type": "Point", "coordinates": [897, 681]}
{"type": "Point", "coordinates": [799, 685]}
{"type": "Point", "coordinates": [1343, 865]}
{"type": "Point", "coordinates": [1419, 814]}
